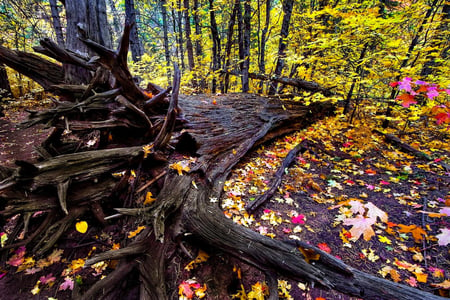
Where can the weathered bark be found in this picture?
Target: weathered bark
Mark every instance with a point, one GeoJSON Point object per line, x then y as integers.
{"type": "Point", "coordinates": [287, 9]}
{"type": "Point", "coordinates": [40, 70]}
{"type": "Point", "coordinates": [56, 22]}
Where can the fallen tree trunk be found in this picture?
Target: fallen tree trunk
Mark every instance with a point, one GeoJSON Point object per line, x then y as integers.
{"type": "Point", "coordinates": [213, 134]}
{"type": "Point", "coordinates": [301, 84]}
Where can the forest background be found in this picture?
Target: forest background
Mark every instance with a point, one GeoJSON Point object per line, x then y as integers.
{"type": "Point", "coordinates": [385, 63]}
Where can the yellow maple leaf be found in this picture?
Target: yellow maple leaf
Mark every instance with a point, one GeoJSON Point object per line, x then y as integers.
{"type": "Point", "coordinates": [149, 199]}
{"type": "Point", "coordinates": [76, 265]}
{"type": "Point", "coordinates": [309, 254]}
{"type": "Point", "coordinates": [136, 232]}
{"type": "Point", "coordinates": [444, 285]}
{"type": "Point", "coordinates": [259, 291]}
{"type": "Point", "coordinates": [417, 231]}
{"type": "Point", "coordinates": [421, 277]}
{"type": "Point", "coordinates": [180, 167]}
{"type": "Point", "coordinates": [147, 150]}
{"type": "Point", "coordinates": [384, 239]}
{"type": "Point", "coordinates": [202, 256]}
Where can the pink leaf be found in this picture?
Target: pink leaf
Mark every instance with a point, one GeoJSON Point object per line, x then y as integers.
{"type": "Point", "coordinates": [47, 279]}
{"type": "Point", "coordinates": [444, 237]}
{"type": "Point", "coordinates": [298, 219]}
{"type": "Point", "coordinates": [67, 284]}
{"type": "Point", "coordinates": [405, 84]}
{"type": "Point", "coordinates": [361, 226]}
{"type": "Point", "coordinates": [324, 247]}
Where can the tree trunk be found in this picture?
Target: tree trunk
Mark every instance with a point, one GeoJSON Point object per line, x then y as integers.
{"type": "Point", "coordinates": [264, 37]}
{"type": "Point", "coordinates": [56, 21]}
{"type": "Point", "coordinates": [227, 62]}
{"type": "Point", "coordinates": [180, 34]}
{"type": "Point", "coordinates": [287, 9]}
{"type": "Point", "coordinates": [246, 41]}
{"type": "Point", "coordinates": [187, 29]}
{"type": "Point", "coordinates": [240, 23]}
{"type": "Point", "coordinates": [440, 43]}
{"type": "Point", "coordinates": [166, 37]}
{"type": "Point", "coordinates": [135, 43]}
{"type": "Point", "coordinates": [5, 88]}
{"type": "Point", "coordinates": [116, 22]}
{"type": "Point", "coordinates": [198, 32]}
{"type": "Point", "coordinates": [216, 45]}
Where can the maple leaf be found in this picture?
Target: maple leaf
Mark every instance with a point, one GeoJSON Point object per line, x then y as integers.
{"type": "Point", "coordinates": [324, 247]}
{"type": "Point", "coordinates": [417, 231]}
{"type": "Point", "coordinates": [67, 284]}
{"type": "Point", "coordinates": [443, 237]}
{"type": "Point", "coordinates": [407, 99]}
{"type": "Point", "coordinates": [180, 167]}
{"type": "Point", "coordinates": [298, 219]}
{"type": "Point", "coordinates": [55, 256]}
{"type": "Point", "coordinates": [444, 285]}
{"type": "Point", "coordinates": [361, 226]}
{"type": "Point", "coordinates": [149, 198]}
{"type": "Point", "coordinates": [357, 207]}
{"type": "Point", "coordinates": [259, 291]}
{"type": "Point", "coordinates": [309, 254]}
{"type": "Point", "coordinates": [384, 240]}
{"type": "Point", "coordinates": [421, 277]}
{"type": "Point", "coordinates": [412, 281]}
{"type": "Point", "coordinates": [201, 257]}
{"type": "Point", "coordinates": [374, 212]}
{"type": "Point", "coordinates": [136, 232]}
{"type": "Point", "coordinates": [49, 279]}
{"type": "Point", "coordinates": [184, 289]}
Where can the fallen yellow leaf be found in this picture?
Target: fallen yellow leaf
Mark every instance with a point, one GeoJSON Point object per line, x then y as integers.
{"type": "Point", "coordinates": [81, 226]}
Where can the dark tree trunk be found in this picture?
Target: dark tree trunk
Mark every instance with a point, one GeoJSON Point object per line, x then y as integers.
{"type": "Point", "coordinates": [5, 88]}
{"type": "Point", "coordinates": [56, 21]}
{"type": "Point", "coordinates": [198, 32]}
{"type": "Point", "coordinates": [91, 14]}
{"type": "Point", "coordinates": [180, 34]}
{"type": "Point", "coordinates": [348, 99]}
{"type": "Point", "coordinates": [227, 62]}
{"type": "Point", "coordinates": [246, 41]}
{"type": "Point", "coordinates": [216, 45]}
{"type": "Point", "coordinates": [135, 43]}
{"type": "Point", "coordinates": [240, 23]}
{"type": "Point", "coordinates": [166, 36]}
{"type": "Point", "coordinates": [187, 29]}
{"type": "Point", "coordinates": [75, 13]}
{"type": "Point", "coordinates": [440, 43]}
{"type": "Point", "coordinates": [287, 9]}
{"type": "Point", "coordinates": [264, 37]}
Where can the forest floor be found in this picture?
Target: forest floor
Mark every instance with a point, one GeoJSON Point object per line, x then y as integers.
{"type": "Point", "coordinates": [350, 193]}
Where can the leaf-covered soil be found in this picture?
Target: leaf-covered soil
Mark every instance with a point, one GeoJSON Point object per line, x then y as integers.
{"type": "Point", "coordinates": [346, 175]}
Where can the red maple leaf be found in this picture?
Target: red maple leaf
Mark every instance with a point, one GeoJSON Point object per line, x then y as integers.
{"type": "Point", "coordinates": [324, 247]}
{"type": "Point", "coordinates": [407, 99]}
